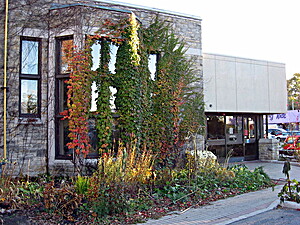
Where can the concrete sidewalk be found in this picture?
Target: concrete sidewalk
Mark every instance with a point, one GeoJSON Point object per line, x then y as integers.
{"type": "Point", "coordinates": [233, 209]}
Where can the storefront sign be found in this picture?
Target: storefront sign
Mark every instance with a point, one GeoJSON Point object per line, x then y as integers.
{"type": "Point", "coordinates": [291, 116]}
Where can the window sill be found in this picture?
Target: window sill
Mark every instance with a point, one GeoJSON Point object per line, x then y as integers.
{"type": "Point", "coordinates": [34, 121]}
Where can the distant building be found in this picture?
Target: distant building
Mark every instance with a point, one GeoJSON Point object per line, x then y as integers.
{"type": "Point", "coordinates": [239, 95]}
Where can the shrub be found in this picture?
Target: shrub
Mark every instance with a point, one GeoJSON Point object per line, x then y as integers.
{"type": "Point", "coordinates": [119, 180]}
{"type": "Point", "coordinates": [290, 192]}
{"type": "Point", "coordinates": [248, 180]}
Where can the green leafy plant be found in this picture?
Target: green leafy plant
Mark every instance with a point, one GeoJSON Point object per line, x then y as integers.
{"type": "Point", "coordinates": [82, 184]}
{"type": "Point", "coordinates": [31, 192]}
{"type": "Point", "coordinates": [290, 192]}
{"type": "Point", "coordinates": [78, 102]}
{"type": "Point", "coordinates": [247, 180]}
{"type": "Point", "coordinates": [173, 192]}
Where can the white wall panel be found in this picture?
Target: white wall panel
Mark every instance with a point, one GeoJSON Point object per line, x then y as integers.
{"type": "Point", "coordinates": [245, 84]}
{"type": "Point", "coordinates": [209, 82]}
{"type": "Point", "coordinates": [261, 88]}
{"type": "Point", "coordinates": [278, 94]}
{"type": "Point", "coordinates": [240, 85]}
{"type": "Point", "coordinates": [225, 83]}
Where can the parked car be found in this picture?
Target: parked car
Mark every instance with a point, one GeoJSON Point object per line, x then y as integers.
{"type": "Point", "coordinates": [277, 133]}
{"type": "Point", "coordinates": [294, 132]}
{"type": "Point", "coordinates": [290, 145]}
{"type": "Point", "coordinates": [281, 137]}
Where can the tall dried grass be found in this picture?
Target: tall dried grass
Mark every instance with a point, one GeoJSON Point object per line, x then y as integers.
{"type": "Point", "coordinates": [127, 165]}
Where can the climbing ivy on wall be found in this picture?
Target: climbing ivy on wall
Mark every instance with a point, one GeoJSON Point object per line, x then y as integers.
{"type": "Point", "coordinates": [153, 113]}
{"type": "Point", "coordinates": [78, 99]}
{"type": "Point", "coordinates": [128, 83]}
{"type": "Point", "coordinates": [173, 95]}
{"type": "Point", "coordinates": [103, 79]}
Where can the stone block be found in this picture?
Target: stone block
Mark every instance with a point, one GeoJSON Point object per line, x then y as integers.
{"type": "Point", "coordinates": [268, 149]}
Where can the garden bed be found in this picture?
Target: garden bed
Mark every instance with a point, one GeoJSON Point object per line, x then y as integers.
{"type": "Point", "coordinates": [72, 201]}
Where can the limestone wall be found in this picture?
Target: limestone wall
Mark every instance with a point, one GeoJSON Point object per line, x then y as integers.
{"type": "Point", "coordinates": [31, 141]}
{"type": "Point", "coordinates": [268, 149]}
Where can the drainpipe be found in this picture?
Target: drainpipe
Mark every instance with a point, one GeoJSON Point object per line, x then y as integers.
{"type": "Point", "coordinates": [4, 79]}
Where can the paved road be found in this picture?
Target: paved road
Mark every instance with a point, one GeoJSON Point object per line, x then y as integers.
{"type": "Point", "coordinates": [274, 217]}
{"type": "Point", "coordinates": [274, 169]}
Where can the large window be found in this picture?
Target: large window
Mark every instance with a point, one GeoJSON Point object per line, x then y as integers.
{"type": "Point", "coordinates": [62, 75]}
{"type": "Point", "coordinates": [30, 77]}
{"type": "Point", "coordinates": [215, 127]}
{"type": "Point", "coordinates": [96, 56]}
{"type": "Point", "coordinates": [152, 64]}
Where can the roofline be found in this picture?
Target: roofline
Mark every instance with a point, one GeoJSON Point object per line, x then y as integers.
{"type": "Point", "coordinates": [237, 57]}
{"type": "Point", "coordinates": [150, 9]}
{"type": "Point", "coordinates": [61, 6]}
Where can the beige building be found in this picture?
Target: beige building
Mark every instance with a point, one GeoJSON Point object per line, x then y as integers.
{"type": "Point", "coordinates": [238, 94]}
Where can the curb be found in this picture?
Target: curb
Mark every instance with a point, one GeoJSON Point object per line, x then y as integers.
{"type": "Point", "coordinates": [273, 205]}
{"type": "Point", "coordinates": [290, 205]}
{"type": "Point", "coordinates": [271, 161]}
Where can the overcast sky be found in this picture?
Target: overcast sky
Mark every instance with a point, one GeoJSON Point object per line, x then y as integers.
{"type": "Point", "coordinates": [259, 29]}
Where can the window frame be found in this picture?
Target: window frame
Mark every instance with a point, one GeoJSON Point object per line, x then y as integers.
{"type": "Point", "coordinates": [60, 78]}
{"type": "Point", "coordinates": [37, 77]}
{"type": "Point", "coordinates": [58, 41]}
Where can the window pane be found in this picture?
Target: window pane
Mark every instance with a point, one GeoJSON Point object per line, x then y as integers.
{"type": "Point", "coordinates": [249, 128]}
{"type": "Point", "coordinates": [112, 98]}
{"type": "Point", "coordinates": [94, 97]}
{"type": "Point", "coordinates": [93, 137]}
{"type": "Point", "coordinates": [29, 57]}
{"type": "Point", "coordinates": [64, 60]}
{"type": "Point", "coordinates": [29, 96]}
{"type": "Point", "coordinates": [64, 138]}
{"type": "Point", "coordinates": [62, 94]}
{"type": "Point", "coordinates": [215, 127]}
{"type": "Point", "coordinates": [234, 130]}
{"type": "Point", "coordinates": [96, 48]}
{"type": "Point", "coordinates": [113, 57]}
{"type": "Point", "coordinates": [152, 65]}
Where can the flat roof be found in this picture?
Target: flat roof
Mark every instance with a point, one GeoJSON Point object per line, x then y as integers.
{"type": "Point", "coordinates": [243, 58]}
{"type": "Point", "coordinates": [150, 9]}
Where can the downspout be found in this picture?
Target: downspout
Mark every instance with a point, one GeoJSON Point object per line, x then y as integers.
{"type": "Point", "coordinates": [4, 80]}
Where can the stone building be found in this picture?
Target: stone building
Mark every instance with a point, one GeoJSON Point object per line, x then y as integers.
{"type": "Point", "coordinates": [37, 32]}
